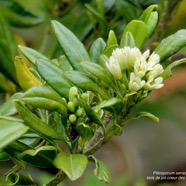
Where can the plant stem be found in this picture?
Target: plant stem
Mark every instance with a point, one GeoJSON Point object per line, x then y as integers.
{"type": "Point", "coordinates": [59, 177]}
{"type": "Point", "coordinates": [95, 143]}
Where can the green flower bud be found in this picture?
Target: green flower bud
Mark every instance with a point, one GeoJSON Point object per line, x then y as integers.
{"type": "Point", "coordinates": [73, 93]}
{"type": "Point", "coordinates": [85, 96]}
{"type": "Point", "coordinates": [72, 118]}
{"type": "Point", "coordinates": [71, 106]}
{"type": "Point", "coordinates": [80, 112]}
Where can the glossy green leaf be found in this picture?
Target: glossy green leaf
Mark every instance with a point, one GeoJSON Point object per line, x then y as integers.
{"type": "Point", "coordinates": [138, 30]}
{"type": "Point", "coordinates": [128, 40]}
{"type": "Point", "coordinates": [47, 104]}
{"type": "Point", "coordinates": [82, 80]}
{"type": "Point", "coordinates": [73, 49]}
{"type": "Point", "coordinates": [98, 71]}
{"type": "Point", "coordinates": [11, 118]}
{"type": "Point", "coordinates": [44, 91]}
{"type": "Point", "coordinates": [109, 50]}
{"type": "Point", "coordinates": [53, 76]}
{"type": "Point", "coordinates": [64, 64]}
{"type": "Point", "coordinates": [142, 115]}
{"type": "Point", "coordinates": [97, 49]}
{"type": "Point", "coordinates": [58, 123]}
{"type": "Point", "coordinates": [167, 71]}
{"type": "Point", "coordinates": [8, 108]}
{"type": "Point", "coordinates": [101, 171]}
{"type": "Point", "coordinates": [35, 123]}
{"type": "Point", "coordinates": [73, 165]}
{"type": "Point", "coordinates": [92, 115]}
{"type": "Point", "coordinates": [42, 156]}
{"type": "Point", "coordinates": [31, 54]}
{"type": "Point", "coordinates": [111, 39]}
{"type": "Point", "coordinates": [114, 104]}
{"type": "Point", "coordinates": [85, 131]}
{"type": "Point", "coordinates": [147, 12]}
{"type": "Point", "coordinates": [151, 24]}
{"type": "Point", "coordinates": [171, 45]}
{"type": "Point", "coordinates": [7, 132]}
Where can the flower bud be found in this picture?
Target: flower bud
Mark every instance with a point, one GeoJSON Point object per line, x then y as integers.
{"type": "Point", "coordinates": [114, 68]}
{"type": "Point", "coordinates": [80, 112]}
{"type": "Point", "coordinates": [71, 106]}
{"type": "Point", "coordinates": [73, 93]}
{"type": "Point", "coordinates": [72, 118]}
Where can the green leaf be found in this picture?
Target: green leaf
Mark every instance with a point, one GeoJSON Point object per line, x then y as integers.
{"type": "Point", "coordinates": [31, 54]}
{"type": "Point", "coordinates": [73, 49]}
{"type": "Point", "coordinates": [64, 64]}
{"type": "Point", "coordinates": [35, 123]}
{"type": "Point", "coordinates": [11, 118]}
{"type": "Point", "coordinates": [85, 132]}
{"type": "Point", "coordinates": [128, 40]}
{"type": "Point", "coordinates": [141, 115]}
{"type": "Point", "coordinates": [109, 50]}
{"type": "Point", "coordinates": [91, 113]}
{"type": "Point", "coordinates": [111, 39]}
{"type": "Point", "coordinates": [114, 104]}
{"type": "Point", "coordinates": [44, 91]}
{"type": "Point", "coordinates": [101, 171]}
{"type": "Point", "coordinates": [47, 104]}
{"type": "Point", "coordinates": [98, 71]}
{"type": "Point", "coordinates": [58, 124]}
{"type": "Point", "coordinates": [97, 49]}
{"type": "Point", "coordinates": [53, 76]}
{"type": "Point", "coordinates": [42, 156]}
{"type": "Point", "coordinates": [171, 45]}
{"type": "Point", "coordinates": [147, 12]}
{"type": "Point", "coordinates": [7, 46]}
{"type": "Point", "coordinates": [151, 24]}
{"type": "Point", "coordinates": [83, 81]}
{"type": "Point", "coordinates": [8, 108]}
{"type": "Point", "coordinates": [167, 72]}
{"type": "Point", "coordinates": [73, 165]}
{"type": "Point", "coordinates": [138, 31]}
{"type": "Point", "coordinates": [7, 132]}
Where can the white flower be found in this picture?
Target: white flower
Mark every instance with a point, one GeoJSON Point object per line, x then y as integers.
{"type": "Point", "coordinates": [135, 83]}
{"type": "Point", "coordinates": [152, 83]}
{"type": "Point", "coordinates": [136, 70]}
{"type": "Point", "coordinates": [152, 61]}
{"type": "Point", "coordinates": [114, 68]}
{"type": "Point", "coordinates": [140, 67]}
{"type": "Point", "coordinates": [126, 57]}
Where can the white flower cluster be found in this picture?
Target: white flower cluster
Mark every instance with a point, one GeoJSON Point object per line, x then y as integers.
{"type": "Point", "coordinates": [136, 70]}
